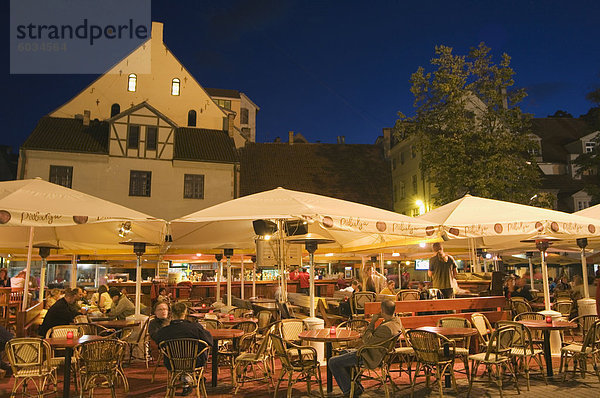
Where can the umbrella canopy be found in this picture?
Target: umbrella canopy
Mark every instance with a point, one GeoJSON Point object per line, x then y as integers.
{"type": "Point", "coordinates": [77, 222]}
{"type": "Point", "coordinates": [351, 225]}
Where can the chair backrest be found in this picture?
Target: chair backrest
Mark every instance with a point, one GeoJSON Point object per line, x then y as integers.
{"type": "Point", "coordinates": [453, 322]}
{"type": "Point", "coordinates": [522, 337]}
{"type": "Point", "coordinates": [483, 326]}
{"type": "Point", "coordinates": [564, 307]}
{"type": "Point", "coordinates": [428, 346]}
{"type": "Point", "coordinates": [530, 316]}
{"type": "Point", "coordinates": [360, 298]}
{"type": "Point", "coordinates": [62, 330]}
{"type": "Point", "coordinates": [562, 293]}
{"type": "Point", "coordinates": [501, 341]}
{"type": "Point", "coordinates": [99, 356]}
{"type": "Point", "coordinates": [408, 294]}
{"type": "Point", "coordinates": [246, 326]}
{"type": "Point", "coordinates": [518, 306]}
{"type": "Point", "coordinates": [28, 353]}
{"type": "Point", "coordinates": [291, 328]}
{"type": "Point", "coordinates": [81, 319]}
{"type": "Point", "coordinates": [183, 354]}
{"type": "Point", "coordinates": [211, 324]}
{"type": "Point", "coordinates": [383, 351]}
{"type": "Point", "coordinates": [591, 339]}
{"type": "Point", "coordinates": [279, 351]}
{"type": "Point", "coordinates": [95, 329]}
{"type": "Point", "coordinates": [585, 322]}
{"type": "Point", "coordinates": [264, 319]}
{"type": "Point", "coordinates": [357, 325]}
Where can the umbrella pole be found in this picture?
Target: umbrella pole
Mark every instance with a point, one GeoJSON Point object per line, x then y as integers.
{"type": "Point", "coordinates": [545, 276]}
{"type": "Point", "coordinates": [586, 292]}
{"type": "Point", "coordinates": [73, 282]}
{"type": "Point", "coordinates": [229, 281]}
{"type": "Point", "coordinates": [27, 271]}
{"type": "Point", "coordinates": [242, 279]}
{"type": "Point", "coordinates": [253, 280]}
{"type": "Point", "coordinates": [219, 270]}
{"type": "Point", "coordinates": [531, 272]}
{"type": "Point", "coordinates": [312, 284]}
{"type": "Point", "coordinates": [138, 286]}
{"type": "Point", "coordinates": [381, 264]}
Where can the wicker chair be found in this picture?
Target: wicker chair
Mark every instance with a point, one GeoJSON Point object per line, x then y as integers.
{"type": "Point", "coordinates": [62, 330]}
{"type": "Point", "coordinates": [211, 324]}
{"type": "Point", "coordinates": [182, 356]}
{"type": "Point", "coordinates": [518, 305]}
{"type": "Point", "coordinates": [462, 344]}
{"type": "Point", "coordinates": [358, 325]}
{"type": "Point", "coordinates": [404, 353]}
{"type": "Point", "coordinates": [484, 328]}
{"type": "Point", "coordinates": [98, 364]}
{"type": "Point", "coordinates": [584, 323]}
{"type": "Point", "coordinates": [358, 300]}
{"type": "Point", "coordinates": [560, 294]}
{"type": "Point", "coordinates": [30, 361]}
{"type": "Point", "coordinates": [536, 335]}
{"type": "Point", "coordinates": [249, 359]}
{"type": "Point", "coordinates": [228, 352]}
{"type": "Point", "coordinates": [564, 307]}
{"type": "Point", "coordinates": [430, 356]}
{"type": "Point", "coordinates": [289, 329]}
{"type": "Point", "coordinates": [264, 320]}
{"type": "Point", "coordinates": [240, 312]}
{"type": "Point", "coordinates": [139, 340]}
{"type": "Point", "coordinates": [497, 355]}
{"type": "Point", "coordinates": [579, 353]}
{"type": "Point", "coordinates": [386, 350]}
{"type": "Point", "coordinates": [522, 349]}
{"type": "Point", "coordinates": [408, 294]}
{"type": "Point", "coordinates": [296, 359]}
{"type": "Point", "coordinates": [98, 330]}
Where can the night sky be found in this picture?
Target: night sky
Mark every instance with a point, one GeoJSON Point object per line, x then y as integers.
{"type": "Point", "coordinates": [333, 68]}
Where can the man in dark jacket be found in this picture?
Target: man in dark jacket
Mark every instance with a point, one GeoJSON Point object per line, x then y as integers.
{"type": "Point", "coordinates": [179, 328]}
{"type": "Point", "coordinates": [61, 313]}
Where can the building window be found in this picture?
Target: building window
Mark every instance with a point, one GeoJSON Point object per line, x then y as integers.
{"type": "Point", "coordinates": [244, 116]}
{"type": "Point", "coordinates": [175, 87]}
{"type": "Point", "coordinates": [61, 175]}
{"type": "Point", "coordinates": [224, 103]}
{"type": "Point", "coordinates": [151, 138]}
{"type": "Point", "coordinates": [139, 183]}
{"type": "Point", "coordinates": [193, 186]}
{"type": "Point", "coordinates": [192, 118]}
{"type": "Point", "coordinates": [132, 82]}
{"type": "Point", "coordinates": [414, 184]}
{"type": "Point", "coordinates": [589, 146]}
{"type": "Point", "coordinates": [582, 204]}
{"type": "Point", "coordinates": [246, 132]}
{"type": "Point", "coordinates": [115, 109]}
{"type": "Point", "coordinates": [133, 137]}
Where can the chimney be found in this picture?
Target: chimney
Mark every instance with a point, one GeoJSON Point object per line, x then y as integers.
{"type": "Point", "coordinates": [86, 118]}
{"type": "Point", "coordinates": [230, 127]}
{"type": "Point", "coordinates": [291, 137]}
{"type": "Point", "coordinates": [157, 32]}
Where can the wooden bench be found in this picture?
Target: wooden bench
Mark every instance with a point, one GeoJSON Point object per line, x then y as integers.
{"type": "Point", "coordinates": [492, 307]}
{"type": "Point", "coordinates": [28, 318]}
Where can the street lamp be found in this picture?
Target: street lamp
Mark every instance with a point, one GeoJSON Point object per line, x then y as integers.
{"type": "Point", "coordinates": [311, 243]}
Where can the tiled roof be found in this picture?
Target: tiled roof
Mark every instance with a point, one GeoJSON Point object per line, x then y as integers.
{"type": "Point", "coordinates": [357, 173]}
{"type": "Point", "coordinates": [205, 145]}
{"type": "Point", "coordinates": [68, 135]}
{"type": "Point", "coordinates": [222, 92]}
{"type": "Point", "coordinates": [557, 132]}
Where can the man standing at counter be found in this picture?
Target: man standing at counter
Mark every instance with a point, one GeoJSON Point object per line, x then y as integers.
{"type": "Point", "coordinates": [441, 268]}
{"type": "Point", "coordinates": [304, 281]}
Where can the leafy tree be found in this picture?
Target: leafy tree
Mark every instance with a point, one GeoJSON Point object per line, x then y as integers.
{"type": "Point", "coordinates": [472, 136]}
{"type": "Point", "coordinates": [561, 113]}
{"type": "Point", "coordinates": [544, 199]}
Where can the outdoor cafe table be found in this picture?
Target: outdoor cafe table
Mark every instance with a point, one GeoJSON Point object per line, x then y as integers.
{"type": "Point", "coordinates": [221, 334]}
{"type": "Point", "coordinates": [546, 328]}
{"type": "Point", "coordinates": [68, 345]}
{"type": "Point", "coordinates": [117, 323]}
{"type": "Point", "coordinates": [450, 333]}
{"type": "Point", "coordinates": [325, 336]}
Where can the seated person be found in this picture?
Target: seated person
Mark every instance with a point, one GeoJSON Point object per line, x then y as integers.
{"type": "Point", "coordinates": [61, 313]}
{"type": "Point", "coordinates": [122, 307]}
{"type": "Point", "coordinates": [519, 288]}
{"type": "Point", "coordinates": [163, 296]}
{"type": "Point", "coordinates": [390, 288]}
{"type": "Point", "coordinates": [352, 288]}
{"type": "Point", "coordinates": [179, 328]}
{"type": "Point", "coordinates": [52, 298]}
{"type": "Point", "coordinates": [423, 291]}
{"type": "Point", "coordinates": [162, 319]}
{"type": "Point", "coordinates": [563, 284]}
{"type": "Point", "coordinates": [341, 365]}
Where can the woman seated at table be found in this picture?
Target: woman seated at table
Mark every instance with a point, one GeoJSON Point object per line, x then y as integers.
{"type": "Point", "coordinates": [162, 319]}
{"type": "Point", "coordinates": [121, 307]}
{"type": "Point", "coordinates": [390, 288]}
{"type": "Point", "coordinates": [516, 287]}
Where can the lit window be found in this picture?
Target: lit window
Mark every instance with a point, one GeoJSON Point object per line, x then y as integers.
{"type": "Point", "coordinates": [589, 146]}
{"type": "Point", "coordinates": [224, 103]}
{"type": "Point", "coordinates": [61, 175]}
{"type": "Point", "coordinates": [175, 87]}
{"type": "Point", "coordinates": [132, 82]}
{"type": "Point", "coordinates": [193, 186]}
{"type": "Point", "coordinates": [140, 183]}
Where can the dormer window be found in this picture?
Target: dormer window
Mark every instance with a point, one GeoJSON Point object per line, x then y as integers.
{"type": "Point", "coordinates": [175, 87]}
{"type": "Point", "coordinates": [132, 82]}
{"type": "Point", "coordinates": [589, 146]}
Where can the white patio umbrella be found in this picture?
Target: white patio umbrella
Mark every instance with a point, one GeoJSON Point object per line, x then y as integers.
{"type": "Point", "coordinates": [350, 225]}
{"type": "Point", "coordinates": [592, 212]}
{"type": "Point", "coordinates": [504, 225]}
{"type": "Point", "coordinates": [36, 212]}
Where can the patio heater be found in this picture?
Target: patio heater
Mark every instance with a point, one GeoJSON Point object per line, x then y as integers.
{"type": "Point", "coordinates": [542, 243]}
{"type": "Point", "coordinates": [218, 257]}
{"type": "Point", "coordinates": [228, 253]}
{"type": "Point", "coordinates": [139, 248]}
{"type": "Point", "coordinates": [582, 243]}
{"type": "Point", "coordinates": [44, 252]}
{"type": "Point", "coordinates": [253, 258]}
{"type": "Point", "coordinates": [311, 243]}
{"type": "Point", "coordinates": [529, 256]}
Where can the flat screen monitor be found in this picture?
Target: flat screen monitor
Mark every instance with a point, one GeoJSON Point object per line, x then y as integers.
{"type": "Point", "coordinates": [421, 265]}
